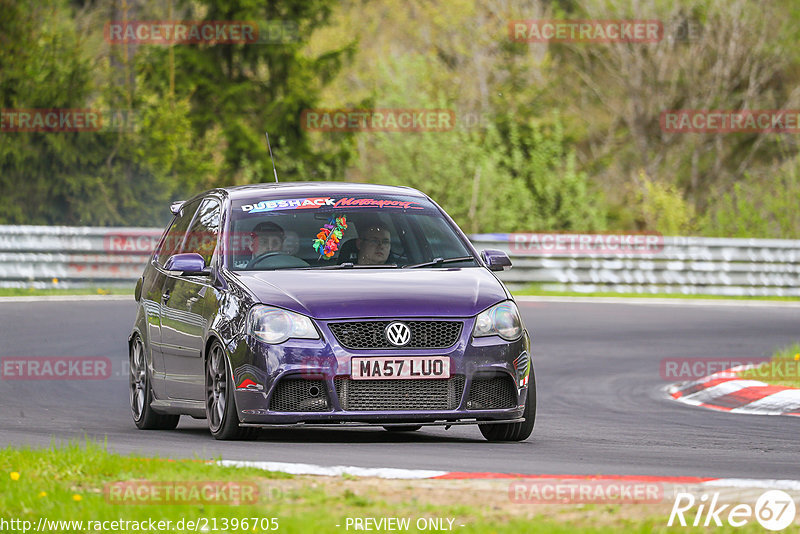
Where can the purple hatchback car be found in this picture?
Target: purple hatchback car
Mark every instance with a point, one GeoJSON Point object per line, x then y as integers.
{"type": "Point", "coordinates": [335, 304]}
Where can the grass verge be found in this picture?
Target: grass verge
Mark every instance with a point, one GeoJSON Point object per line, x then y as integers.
{"type": "Point", "coordinates": [782, 370]}
{"type": "Point", "coordinates": [71, 483]}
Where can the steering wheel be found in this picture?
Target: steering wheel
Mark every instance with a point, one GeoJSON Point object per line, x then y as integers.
{"type": "Point", "coordinates": [261, 257]}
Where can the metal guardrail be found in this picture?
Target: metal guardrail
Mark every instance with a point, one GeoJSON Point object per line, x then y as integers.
{"type": "Point", "coordinates": [685, 265]}
{"type": "Point", "coordinates": [73, 256]}
{"type": "Point", "coordinates": [62, 256]}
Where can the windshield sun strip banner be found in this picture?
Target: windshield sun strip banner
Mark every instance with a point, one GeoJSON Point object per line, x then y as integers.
{"type": "Point", "coordinates": [264, 206]}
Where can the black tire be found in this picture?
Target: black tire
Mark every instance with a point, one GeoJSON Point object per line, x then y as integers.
{"type": "Point", "coordinates": [404, 428]}
{"type": "Point", "coordinates": [141, 393]}
{"type": "Point", "coordinates": [223, 421]}
{"type": "Point", "coordinates": [515, 431]}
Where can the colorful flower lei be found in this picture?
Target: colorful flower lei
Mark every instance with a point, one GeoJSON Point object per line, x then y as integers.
{"type": "Point", "coordinates": [327, 242]}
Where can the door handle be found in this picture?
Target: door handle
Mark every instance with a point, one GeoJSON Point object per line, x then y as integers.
{"type": "Point", "coordinates": [165, 296]}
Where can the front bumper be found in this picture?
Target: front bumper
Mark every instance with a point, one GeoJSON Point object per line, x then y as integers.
{"type": "Point", "coordinates": [356, 424]}
{"type": "Point", "coordinates": [259, 370]}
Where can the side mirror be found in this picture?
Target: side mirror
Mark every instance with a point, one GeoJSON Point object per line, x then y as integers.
{"type": "Point", "coordinates": [496, 260]}
{"type": "Point", "coordinates": [189, 263]}
{"type": "Point", "coordinates": [176, 206]}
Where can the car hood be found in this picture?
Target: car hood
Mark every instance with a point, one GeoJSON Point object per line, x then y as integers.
{"type": "Point", "coordinates": [346, 293]}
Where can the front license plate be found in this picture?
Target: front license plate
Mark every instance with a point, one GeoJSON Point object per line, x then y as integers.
{"type": "Point", "coordinates": [389, 367]}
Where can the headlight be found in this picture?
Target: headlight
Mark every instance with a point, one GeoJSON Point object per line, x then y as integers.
{"type": "Point", "coordinates": [500, 320]}
{"type": "Point", "coordinates": [274, 325]}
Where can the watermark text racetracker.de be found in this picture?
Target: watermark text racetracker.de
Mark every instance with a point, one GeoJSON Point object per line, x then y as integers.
{"type": "Point", "coordinates": [378, 120]}
{"type": "Point", "coordinates": [586, 31]}
{"type": "Point", "coordinates": [730, 121]}
{"type": "Point", "coordinates": [149, 525]}
{"type": "Point", "coordinates": [672, 369]}
{"type": "Point", "coordinates": [557, 243]}
{"type": "Point", "coordinates": [192, 32]}
{"type": "Point", "coordinates": [55, 368]}
{"type": "Point", "coordinates": [194, 492]}
{"type": "Point", "coordinates": [53, 120]}
{"type": "Point", "coordinates": [584, 491]}
{"type": "Point", "coordinates": [50, 120]}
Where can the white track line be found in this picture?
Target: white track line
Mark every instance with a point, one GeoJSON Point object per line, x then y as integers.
{"type": "Point", "coordinates": [408, 474]}
{"type": "Point", "coordinates": [663, 301]}
{"type": "Point", "coordinates": [792, 485]}
{"type": "Point", "coordinates": [335, 470]}
{"type": "Point", "coordinates": [67, 298]}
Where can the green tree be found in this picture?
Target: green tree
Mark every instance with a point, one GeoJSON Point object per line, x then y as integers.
{"type": "Point", "coordinates": [522, 179]}
{"type": "Point", "coordinates": [763, 205]}
{"type": "Point", "coordinates": [42, 66]}
{"type": "Point", "coordinates": [244, 89]}
{"type": "Point", "coordinates": [196, 113]}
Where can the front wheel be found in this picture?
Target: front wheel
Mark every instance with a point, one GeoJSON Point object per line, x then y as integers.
{"type": "Point", "coordinates": [141, 393]}
{"type": "Point", "coordinates": [223, 421]}
{"type": "Point", "coordinates": [515, 431]}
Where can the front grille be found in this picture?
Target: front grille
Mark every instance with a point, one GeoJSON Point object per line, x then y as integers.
{"type": "Point", "coordinates": [492, 393]}
{"type": "Point", "coordinates": [401, 394]}
{"type": "Point", "coordinates": [299, 395]}
{"type": "Point", "coordinates": [370, 334]}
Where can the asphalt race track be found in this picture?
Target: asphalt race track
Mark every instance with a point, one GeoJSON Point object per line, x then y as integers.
{"type": "Point", "coordinates": [602, 409]}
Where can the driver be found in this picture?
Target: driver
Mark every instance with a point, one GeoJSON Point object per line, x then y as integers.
{"type": "Point", "coordinates": [267, 237]}
{"type": "Point", "coordinates": [374, 246]}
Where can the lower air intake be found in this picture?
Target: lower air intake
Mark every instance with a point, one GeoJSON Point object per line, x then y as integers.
{"type": "Point", "coordinates": [300, 395]}
{"type": "Point", "coordinates": [492, 393]}
{"type": "Point", "coordinates": [389, 395]}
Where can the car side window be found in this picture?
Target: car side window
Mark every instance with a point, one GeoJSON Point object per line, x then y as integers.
{"type": "Point", "coordinates": [173, 240]}
{"type": "Point", "coordinates": [202, 236]}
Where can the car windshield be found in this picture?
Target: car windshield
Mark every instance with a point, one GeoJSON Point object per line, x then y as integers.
{"type": "Point", "coordinates": [342, 232]}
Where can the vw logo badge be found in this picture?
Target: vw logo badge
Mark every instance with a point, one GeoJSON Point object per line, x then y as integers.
{"type": "Point", "coordinates": [398, 334]}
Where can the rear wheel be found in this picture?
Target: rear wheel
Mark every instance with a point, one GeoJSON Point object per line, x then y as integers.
{"type": "Point", "coordinates": [515, 431]}
{"type": "Point", "coordinates": [223, 421]}
{"type": "Point", "coordinates": [141, 394]}
{"type": "Point", "coordinates": [403, 428]}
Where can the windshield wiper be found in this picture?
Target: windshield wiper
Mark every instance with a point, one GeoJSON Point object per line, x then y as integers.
{"type": "Point", "coordinates": [348, 265]}
{"type": "Point", "coordinates": [378, 266]}
{"type": "Point", "coordinates": [439, 261]}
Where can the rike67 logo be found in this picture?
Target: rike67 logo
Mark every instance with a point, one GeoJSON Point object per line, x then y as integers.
{"type": "Point", "coordinates": [774, 510]}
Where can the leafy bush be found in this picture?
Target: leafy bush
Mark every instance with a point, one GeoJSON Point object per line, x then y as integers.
{"type": "Point", "coordinates": [759, 206]}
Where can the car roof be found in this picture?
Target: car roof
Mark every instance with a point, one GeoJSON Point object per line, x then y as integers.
{"type": "Point", "coordinates": [278, 190]}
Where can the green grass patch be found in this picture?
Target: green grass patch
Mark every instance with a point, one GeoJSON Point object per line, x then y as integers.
{"type": "Point", "coordinates": [537, 290]}
{"type": "Point", "coordinates": [69, 483]}
{"type": "Point", "coordinates": [782, 370]}
{"type": "Point", "coordinates": [33, 292]}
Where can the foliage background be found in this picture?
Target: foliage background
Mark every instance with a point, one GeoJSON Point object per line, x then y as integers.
{"type": "Point", "coordinates": [549, 136]}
